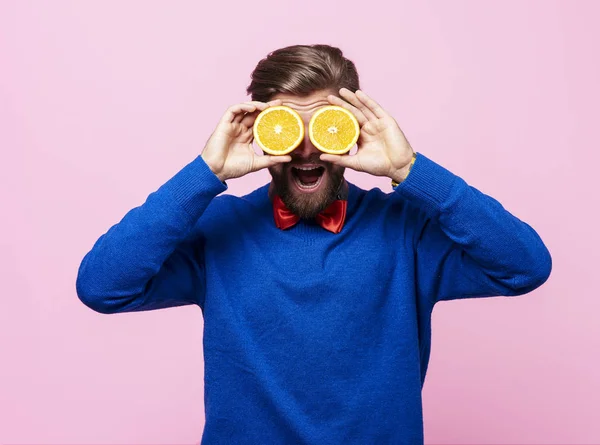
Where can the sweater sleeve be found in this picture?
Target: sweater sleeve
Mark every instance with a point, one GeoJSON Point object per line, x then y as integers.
{"type": "Point", "coordinates": [467, 244]}
{"type": "Point", "coordinates": [153, 257]}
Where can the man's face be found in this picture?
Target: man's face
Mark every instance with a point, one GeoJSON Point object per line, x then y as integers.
{"type": "Point", "coordinates": [306, 185]}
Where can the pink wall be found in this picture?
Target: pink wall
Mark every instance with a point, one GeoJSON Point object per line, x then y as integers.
{"type": "Point", "coordinates": [101, 102]}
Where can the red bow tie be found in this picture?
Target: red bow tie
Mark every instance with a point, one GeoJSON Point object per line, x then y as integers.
{"type": "Point", "coordinates": [332, 218]}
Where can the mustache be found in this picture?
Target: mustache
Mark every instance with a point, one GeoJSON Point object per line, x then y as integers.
{"type": "Point", "coordinates": [314, 158]}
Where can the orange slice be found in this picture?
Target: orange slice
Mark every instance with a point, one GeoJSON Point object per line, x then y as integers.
{"type": "Point", "coordinates": [333, 130]}
{"type": "Point", "coordinates": [278, 130]}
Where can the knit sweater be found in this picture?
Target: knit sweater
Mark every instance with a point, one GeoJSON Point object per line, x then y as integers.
{"type": "Point", "coordinates": [312, 337]}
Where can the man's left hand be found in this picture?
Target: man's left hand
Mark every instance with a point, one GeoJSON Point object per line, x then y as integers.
{"type": "Point", "coordinates": [383, 150]}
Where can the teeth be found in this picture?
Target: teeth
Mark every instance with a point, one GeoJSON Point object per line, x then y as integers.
{"type": "Point", "coordinates": [307, 168]}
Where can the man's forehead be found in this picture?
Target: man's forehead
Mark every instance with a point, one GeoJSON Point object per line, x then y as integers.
{"type": "Point", "coordinates": [304, 104]}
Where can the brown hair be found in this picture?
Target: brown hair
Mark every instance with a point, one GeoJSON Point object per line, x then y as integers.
{"type": "Point", "coordinates": [301, 70]}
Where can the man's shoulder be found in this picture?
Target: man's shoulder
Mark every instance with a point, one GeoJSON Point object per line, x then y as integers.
{"type": "Point", "coordinates": [230, 209]}
{"type": "Point", "coordinates": [372, 196]}
{"type": "Point", "coordinates": [248, 201]}
{"type": "Point", "coordinates": [377, 202]}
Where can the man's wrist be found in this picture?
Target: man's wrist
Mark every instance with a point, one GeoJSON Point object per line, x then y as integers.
{"type": "Point", "coordinates": [216, 171]}
{"type": "Point", "coordinates": [403, 173]}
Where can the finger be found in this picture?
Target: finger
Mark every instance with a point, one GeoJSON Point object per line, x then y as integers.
{"type": "Point", "coordinates": [360, 117]}
{"type": "Point", "coordinates": [349, 161]}
{"type": "Point", "coordinates": [351, 97]}
{"type": "Point", "coordinates": [371, 104]}
{"type": "Point", "coordinates": [240, 116]}
{"type": "Point", "coordinates": [235, 110]}
{"type": "Point", "coordinates": [266, 161]}
{"type": "Point", "coordinates": [244, 107]}
{"type": "Point", "coordinates": [248, 118]}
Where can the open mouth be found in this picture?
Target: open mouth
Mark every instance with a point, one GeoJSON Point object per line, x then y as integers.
{"type": "Point", "coordinates": [308, 178]}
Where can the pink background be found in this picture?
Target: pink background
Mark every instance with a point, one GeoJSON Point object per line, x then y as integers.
{"type": "Point", "coordinates": [102, 101]}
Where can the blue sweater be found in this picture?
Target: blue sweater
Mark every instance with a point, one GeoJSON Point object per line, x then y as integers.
{"type": "Point", "coordinates": [312, 337]}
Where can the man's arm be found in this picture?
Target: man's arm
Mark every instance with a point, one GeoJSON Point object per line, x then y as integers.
{"type": "Point", "coordinates": [467, 244]}
{"type": "Point", "coordinates": [152, 258]}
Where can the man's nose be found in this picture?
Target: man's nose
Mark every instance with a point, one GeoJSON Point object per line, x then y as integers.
{"type": "Point", "coordinates": [306, 148]}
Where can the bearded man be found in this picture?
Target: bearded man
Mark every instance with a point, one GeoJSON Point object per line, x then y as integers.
{"type": "Point", "coordinates": [316, 294]}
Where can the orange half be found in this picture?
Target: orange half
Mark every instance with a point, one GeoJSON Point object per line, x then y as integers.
{"type": "Point", "coordinates": [333, 130]}
{"type": "Point", "coordinates": [278, 130]}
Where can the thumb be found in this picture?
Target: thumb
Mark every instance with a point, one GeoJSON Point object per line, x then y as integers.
{"type": "Point", "coordinates": [266, 161]}
{"type": "Point", "coordinates": [349, 161]}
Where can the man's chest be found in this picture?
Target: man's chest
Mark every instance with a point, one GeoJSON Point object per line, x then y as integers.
{"type": "Point", "coordinates": [334, 278]}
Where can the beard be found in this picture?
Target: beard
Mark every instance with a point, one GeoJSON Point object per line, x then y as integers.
{"type": "Point", "coordinates": [307, 205]}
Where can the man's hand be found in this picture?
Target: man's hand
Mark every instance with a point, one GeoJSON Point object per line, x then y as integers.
{"type": "Point", "coordinates": [229, 152]}
{"type": "Point", "coordinates": [383, 150]}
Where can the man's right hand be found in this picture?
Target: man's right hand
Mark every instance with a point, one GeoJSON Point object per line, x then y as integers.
{"type": "Point", "coordinates": [229, 152]}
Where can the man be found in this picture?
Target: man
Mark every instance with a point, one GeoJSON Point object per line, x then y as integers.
{"type": "Point", "coordinates": [316, 294]}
